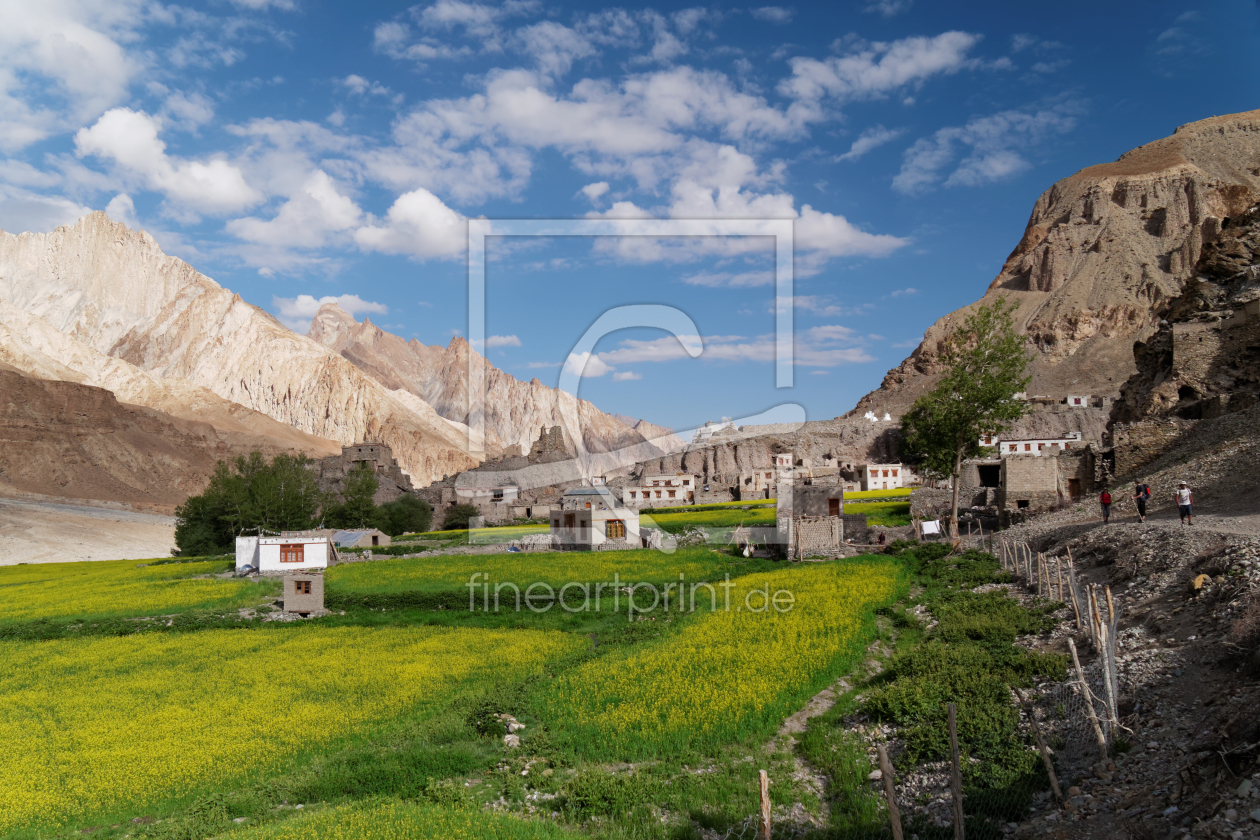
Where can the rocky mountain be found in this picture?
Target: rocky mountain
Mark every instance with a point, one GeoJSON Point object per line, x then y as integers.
{"type": "Point", "coordinates": [1104, 251]}
{"type": "Point", "coordinates": [515, 410]}
{"type": "Point", "coordinates": [104, 303]}
{"type": "Point", "coordinates": [62, 438]}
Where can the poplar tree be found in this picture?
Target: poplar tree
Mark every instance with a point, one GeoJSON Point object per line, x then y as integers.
{"type": "Point", "coordinates": [985, 367]}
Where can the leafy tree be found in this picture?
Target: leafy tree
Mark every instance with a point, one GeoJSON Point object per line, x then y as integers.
{"type": "Point", "coordinates": [249, 494]}
{"type": "Point", "coordinates": [357, 491]}
{"type": "Point", "coordinates": [457, 516]}
{"type": "Point", "coordinates": [985, 364]}
{"type": "Point", "coordinates": [405, 515]}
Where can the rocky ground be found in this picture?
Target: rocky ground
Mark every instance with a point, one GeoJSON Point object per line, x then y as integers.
{"type": "Point", "coordinates": [1189, 729]}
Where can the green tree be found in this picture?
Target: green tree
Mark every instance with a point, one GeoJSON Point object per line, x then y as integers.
{"type": "Point", "coordinates": [985, 367]}
{"type": "Point", "coordinates": [405, 515]}
{"type": "Point", "coordinates": [248, 494]}
{"type": "Point", "coordinates": [358, 490]}
{"type": "Point", "coordinates": [457, 516]}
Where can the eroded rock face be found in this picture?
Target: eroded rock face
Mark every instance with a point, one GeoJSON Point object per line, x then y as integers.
{"type": "Point", "coordinates": [112, 290]}
{"type": "Point", "coordinates": [515, 410]}
{"type": "Point", "coordinates": [1103, 251]}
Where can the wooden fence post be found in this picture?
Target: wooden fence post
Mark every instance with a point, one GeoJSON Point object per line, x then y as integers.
{"type": "Point", "coordinates": [1086, 696]}
{"type": "Point", "coordinates": [890, 792]}
{"type": "Point", "coordinates": [1058, 576]}
{"type": "Point", "coordinates": [764, 779]}
{"type": "Point", "coordinates": [1041, 745]}
{"type": "Point", "coordinates": [955, 774]}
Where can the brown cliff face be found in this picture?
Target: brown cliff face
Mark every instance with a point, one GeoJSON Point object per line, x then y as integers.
{"type": "Point", "coordinates": [514, 410]}
{"type": "Point", "coordinates": [73, 440]}
{"type": "Point", "coordinates": [1103, 251]}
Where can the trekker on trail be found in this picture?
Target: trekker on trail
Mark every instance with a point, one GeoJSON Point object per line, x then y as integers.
{"type": "Point", "coordinates": [1185, 502]}
{"type": "Point", "coordinates": [1141, 492]}
{"type": "Point", "coordinates": [1104, 499]}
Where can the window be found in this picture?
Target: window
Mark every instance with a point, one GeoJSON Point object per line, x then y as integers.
{"type": "Point", "coordinates": [376, 540]}
{"type": "Point", "coordinates": [671, 494]}
{"type": "Point", "coordinates": [1021, 504]}
{"type": "Point", "coordinates": [894, 473]}
{"type": "Point", "coordinates": [767, 475]}
{"type": "Point", "coordinates": [988, 439]}
{"type": "Point", "coordinates": [1066, 445]}
{"type": "Point", "coordinates": [686, 482]}
{"type": "Point", "coordinates": [1028, 447]}
{"type": "Point", "coordinates": [656, 484]}
{"type": "Point", "coordinates": [632, 494]}
{"type": "Point", "coordinates": [301, 587]}
{"type": "Point", "coordinates": [498, 495]}
{"type": "Point", "coordinates": [885, 473]}
{"type": "Point", "coordinates": [1076, 400]}
{"type": "Point", "coordinates": [586, 523]}
{"type": "Point", "coordinates": [1013, 447]}
{"type": "Point", "coordinates": [615, 530]}
{"type": "Point", "coordinates": [291, 553]}
{"type": "Point", "coordinates": [1040, 446]}
{"type": "Point", "coordinates": [588, 505]}
{"type": "Point", "coordinates": [658, 494]}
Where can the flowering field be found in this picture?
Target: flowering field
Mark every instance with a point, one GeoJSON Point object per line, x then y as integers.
{"type": "Point", "coordinates": [729, 673]}
{"type": "Point", "coordinates": [119, 588]}
{"type": "Point", "coordinates": [392, 820]}
{"type": "Point", "coordinates": [449, 572]}
{"type": "Point", "coordinates": [98, 725]}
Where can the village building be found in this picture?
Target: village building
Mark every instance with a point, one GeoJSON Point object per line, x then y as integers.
{"type": "Point", "coordinates": [661, 490]}
{"type": "Point", "coordinates": [1033, 446]}
{"type": "Point", "coordinates": [277, 555]}
{"type": "Point", "coordinates": [303, 593]}
{"type": "Point", "coordinates": [362, 538]}
{"type": "Point", "coordinates": [392, 483]}
{"type": "Point", "coordinates": [882, 476]}
{"type": "Point", "coordinates": [1031, 482]}
{"type": "Point", "coordinates": [591, 519]}
{"type": "Point", "coordinates": [1077, 401]}
{"type": "Point", "coordinates": [810, 520]}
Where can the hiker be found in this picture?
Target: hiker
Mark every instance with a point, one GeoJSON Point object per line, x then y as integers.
{"type": "Point", "coordinates": [1185, 502]}
{"type": "Point", "coordinates": [1141, 492]}
{"type": "Point", "coordinates": [1104, 499]}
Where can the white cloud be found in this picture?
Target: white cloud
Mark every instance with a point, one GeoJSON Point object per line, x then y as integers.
{"type": "Point", "coordinates": [62, 62]}
{"type": "Point", "coordinates": [626, 376]}
{"type": "Point", "coordinates": [22, 210]}
{"type": "Point", "coordinates": [742, 280]}
{"type": "Point", "coordinates": [874, 70]}
{"type": "Point", "coordinates": [594, 191]}
{"type": "Point", "coordinates": [871, 138]}
{"type": "Point", "coordinates": [502, 341]}
{"type": "Point", "coordinates": [816, 347]}
{"type": "Point", "coordinates": [554, 47]}
{"type": "Point", "coordinates": [122, 209]}
{"type": "Point", "coordinates": [586, 365]}
{"type": "Point", "coordinates": [130, 139]}
{"type": "Point", "coordinates": [296, 312]}
{"type": "Point", "coordinates": [773, 14]}
{"type": "Point", "coordinates": [889, 8]}
{"type": "Point", "coordinates": [305, 220]}
{"type": "Point", "coordinates": [418, 225]}
{"type": "Point", "coordinates": [907, 291]}
{"type": "Point", "coordinates": [989, 147]}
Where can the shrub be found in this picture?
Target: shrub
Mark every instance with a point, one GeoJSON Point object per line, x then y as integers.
{"type": "Point", "coordinates": [457, 517]}
{"type": "Point", "coordinates": [406, 514]}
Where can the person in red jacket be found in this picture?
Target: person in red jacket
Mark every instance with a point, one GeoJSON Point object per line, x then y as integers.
{"type": "Point", "coordinates": [1104, 499]}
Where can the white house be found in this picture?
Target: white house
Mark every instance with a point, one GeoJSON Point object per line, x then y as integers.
{"type": "Point", "coordinates": [589, 517]}
{"type": "Point", "coordinates": [1077, 401]}
{"type": "Point", "coordinates": [666, 489]}
{"type": "Point", "coordinates": [283, 554]}
{"type": "Point", "coordinates": [1033, 446]}
{"type": "Point", "coordinates": [882, 476]}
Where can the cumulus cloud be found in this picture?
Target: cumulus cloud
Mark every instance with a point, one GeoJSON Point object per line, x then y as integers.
{"type": "Point", "coordinates": [296, 312]}
{"type": "Point", "coordinates": [130, 140]}
{"type": "Point", "coordinates": [587, 365]}
{"type": "Point", "coordinates": [825, 346]}
{"type": "Point", "coordinates": [305, 220]}
{"type": "Point", "coordinates": [502, 341]}
{"type": "Point", "coordinates": [593, 192]}
{"type": "Point", "coordinates": [871, 138]}
{"type": "Point", "coordinates": [888, 8]}
{"type": "Point", "coordinates": [773, 14]}
{"type": "Point", "coordinates": [626, 376]}
{"type": "Point", "coordinates": [984, 150]}
{"type": "Point", "coordinates": [418, 225]}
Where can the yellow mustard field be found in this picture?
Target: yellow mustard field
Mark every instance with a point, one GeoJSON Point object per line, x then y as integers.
{"type": "Point", "coordinates": [119, 588]}
{"type": "Point", "coordinates": [94, 725]}
{"type": "Point", "coordinates": [453, 571]}
{"type": "Point", "coordinates": [393, 820]}
{"type": "Point", "coordinates": [731, 672]}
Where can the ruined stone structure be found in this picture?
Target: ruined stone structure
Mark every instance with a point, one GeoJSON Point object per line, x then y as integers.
{"type": "Point", "coordinates": [1138, 444]}
{"type": "Point", "coordinates": [392, 482]}
{"type": "Point", "coordinates": [1032, 483]}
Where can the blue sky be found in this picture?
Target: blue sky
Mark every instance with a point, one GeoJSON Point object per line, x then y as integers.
{"type": "Point", "coordinates": [297, 150]}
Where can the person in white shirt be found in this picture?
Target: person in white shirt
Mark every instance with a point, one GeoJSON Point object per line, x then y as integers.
{"type": "Point", "coordinates": [1185, 503]}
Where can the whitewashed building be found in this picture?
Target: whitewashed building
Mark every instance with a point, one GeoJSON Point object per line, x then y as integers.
{"type": "Point", "coordinates": [591, 518]}
{"type": "Point", "coordinates": [661, 490]}
{"type": "Point", "coordinates": [882, 476]}
{"type": "Point", "coordinates": [284, 554]}
{"type": "Point", "coordinates": [1033, 446]}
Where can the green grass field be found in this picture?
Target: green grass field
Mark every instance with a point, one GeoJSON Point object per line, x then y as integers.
{"type": "Point", "coordinates": [116, 588]}
{"type": "Point", "coordinates": [885, 514]}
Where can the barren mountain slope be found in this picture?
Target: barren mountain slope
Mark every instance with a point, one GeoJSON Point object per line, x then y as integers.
{"type": "Point", "coordinates": [515, 410]}
{"type": "Point", "coordinates": [114, 290]}
{"type": "Point", "coordinates": [66, 439]}
{"type": "Point", "coordinates": [1102, 250]}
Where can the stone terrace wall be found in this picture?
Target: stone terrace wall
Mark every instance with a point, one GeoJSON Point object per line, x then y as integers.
{"type": "Point", "coordinates": [1138, 444]}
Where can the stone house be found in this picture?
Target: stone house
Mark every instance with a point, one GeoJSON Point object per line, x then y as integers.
{"type": "Point", "coordinates": [392, 482]}
{"type": "Point", "coordinates": [591, 518]}
{"type": "Point", "coordinates": [810, 520]}
{"type": "Point", "coordinates": [882, 476]}
{"type": "Point", "coordinates": [303, 593]}
{"type": "Point", "coordinates": [661, 490]}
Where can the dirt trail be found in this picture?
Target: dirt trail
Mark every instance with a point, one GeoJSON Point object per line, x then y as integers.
{"type": "Point", "coordinates": [33, 531]}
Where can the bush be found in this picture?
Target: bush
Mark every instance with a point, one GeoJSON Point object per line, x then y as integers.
{"type": "Point", "coordinates": [406, 514]}
{"type": "Point", "coordinates": [600, 792]}
{"type": "Point", "coordinates": [458, 516]}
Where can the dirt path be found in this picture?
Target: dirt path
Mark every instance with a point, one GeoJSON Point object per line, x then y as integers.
{"type": "Point", "coordinates": [51, 532]}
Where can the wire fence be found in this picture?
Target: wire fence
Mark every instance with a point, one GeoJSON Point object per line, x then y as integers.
{"type": "Point", "coordinates": [1067, 730]}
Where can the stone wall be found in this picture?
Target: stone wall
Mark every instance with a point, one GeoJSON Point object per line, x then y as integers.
{"type": "Point", "coordinates": [1139, 444]}
{"type": "Point", "coordinates": [303, 603]}
{"type": "Point", "coordinates": [813, 535]}
{"type": "Point", "coordinates": [392, 482]}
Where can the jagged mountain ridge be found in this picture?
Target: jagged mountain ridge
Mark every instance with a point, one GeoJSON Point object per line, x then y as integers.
{"type": "Point", "coordinates": [515, 410]}
{"type": "Point", "coordinates": [1103, 250]}
{"type": "Point", "coordinates": [111, 291]}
